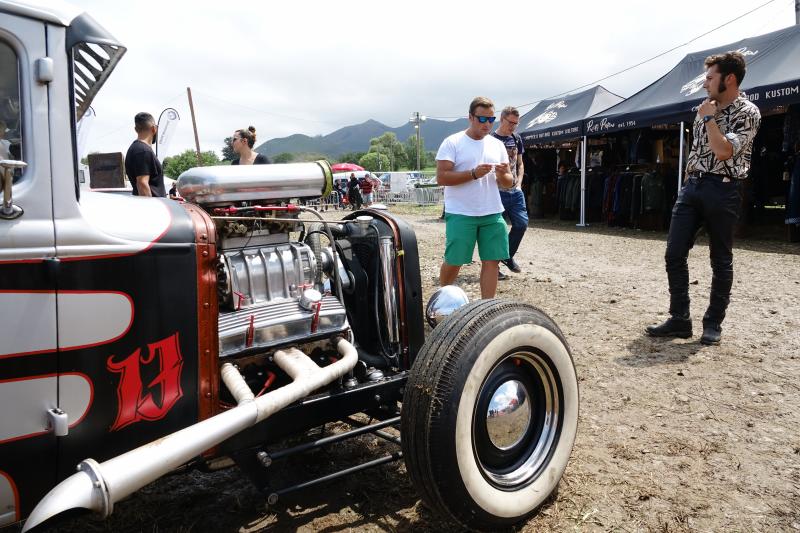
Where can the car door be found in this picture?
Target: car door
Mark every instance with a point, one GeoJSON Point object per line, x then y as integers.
{"type": "Point", "coordinates": [28, 339]}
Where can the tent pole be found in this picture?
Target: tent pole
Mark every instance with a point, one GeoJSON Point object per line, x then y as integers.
{"type": "Point", "coordinates": [680, 160]}
{"type": "Point", "coordinates": [583, 223]}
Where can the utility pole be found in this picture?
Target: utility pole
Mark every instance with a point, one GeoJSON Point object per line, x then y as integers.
{"type": "Point", "coordinates": [797, 12]}
{"type": "Point", "coordinates": [194, 126]}
{"type": "Point", "coordinates": [417, 120]}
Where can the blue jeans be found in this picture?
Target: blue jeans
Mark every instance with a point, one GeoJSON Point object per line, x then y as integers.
{"type": "Point", "coordinates": [517, 213]}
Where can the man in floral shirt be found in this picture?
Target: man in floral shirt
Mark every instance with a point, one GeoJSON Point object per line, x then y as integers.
{"type": "Point", "coordinates": [719, 159]}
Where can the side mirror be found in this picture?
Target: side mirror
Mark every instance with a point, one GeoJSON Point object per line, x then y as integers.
{"type": "Point", "coordinates": [8, 210]}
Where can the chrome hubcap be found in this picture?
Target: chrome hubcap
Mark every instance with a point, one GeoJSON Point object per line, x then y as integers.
{"type": "Point", "coordinates": [509, 415]}
{"type": "Point", "coordinates": [517, 419]}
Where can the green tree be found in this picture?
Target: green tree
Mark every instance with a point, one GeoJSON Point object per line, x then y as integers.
{"type": "Point", "coordinates": [388, 145]}
{"type": "Point", "coordinates": [374, 161]}
{"type": "Point", "coordinates": [176, 165]}
{"type": "Point", "coordinates": [227, 150]}
{"type": "Point", "coordinates": [350, 157]}
{"type": "Point", "coordinates": [411, 153]}
{"type": "Point", "coordinates": [283, 157]}
{"type": "Point", "coordinates": [430, 159]}
{"type": "Point", "coordinates": [307, 157]}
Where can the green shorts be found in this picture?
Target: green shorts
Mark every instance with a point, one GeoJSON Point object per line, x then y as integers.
{"type": "Point", "coordinates": [489, 231]}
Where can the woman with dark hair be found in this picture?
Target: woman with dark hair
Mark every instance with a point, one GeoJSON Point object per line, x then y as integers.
{"type": "Point", "coordinates": [242, 143]}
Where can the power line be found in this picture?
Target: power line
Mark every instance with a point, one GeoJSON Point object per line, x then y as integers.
{"type": "Point", "coordinates": [775, 16]}
{"type": "Point", "coordinates": [640, 63]}
{"type": "Point", "coordinates": [652, 58]}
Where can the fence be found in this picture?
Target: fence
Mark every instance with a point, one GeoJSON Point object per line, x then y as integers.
{"type": "Point", "coordinates": [415, 196]}
{"type": "Point", "coordinates": [425, 195]}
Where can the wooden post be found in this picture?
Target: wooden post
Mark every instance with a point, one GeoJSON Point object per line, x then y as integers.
{"type": "Point", "coordinates": [194, 126]}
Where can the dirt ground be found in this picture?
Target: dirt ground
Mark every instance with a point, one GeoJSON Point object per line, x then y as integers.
{"type": "Point", "coordinates": [673, 436]}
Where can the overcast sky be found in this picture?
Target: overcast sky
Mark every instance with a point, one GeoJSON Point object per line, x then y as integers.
{"type": "Point", "coordinates": [313, 67]}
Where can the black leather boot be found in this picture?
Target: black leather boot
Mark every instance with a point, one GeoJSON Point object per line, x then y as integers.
{"type": "Point", "coordinates": [712, 334]}
{"type": "Point", "coordinates": [673, 327]}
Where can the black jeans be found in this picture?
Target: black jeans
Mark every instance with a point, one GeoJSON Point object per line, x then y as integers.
{"type": "Point", "coordinates": [712, 203]}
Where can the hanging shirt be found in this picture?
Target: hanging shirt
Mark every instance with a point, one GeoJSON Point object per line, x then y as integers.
{"type": "Point", "coordinates": [738, 122]}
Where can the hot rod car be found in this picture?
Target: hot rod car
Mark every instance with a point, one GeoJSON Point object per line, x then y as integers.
{"type": "Point", "coordinates": [139, 335]}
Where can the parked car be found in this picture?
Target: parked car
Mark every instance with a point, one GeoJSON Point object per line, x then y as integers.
{"type": "Point", "coordinates": [140, 335]}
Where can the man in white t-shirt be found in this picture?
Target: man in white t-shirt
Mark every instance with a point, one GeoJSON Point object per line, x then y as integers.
{"type": "Point", "coordinates": [470, 164]}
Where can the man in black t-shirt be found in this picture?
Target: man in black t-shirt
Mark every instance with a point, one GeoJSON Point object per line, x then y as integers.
{"type": "Point", "coordinates": [141, 165]}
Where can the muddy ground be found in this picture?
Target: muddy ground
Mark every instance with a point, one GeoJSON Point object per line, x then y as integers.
{"type": "Point", "coordinates": [673, 436]}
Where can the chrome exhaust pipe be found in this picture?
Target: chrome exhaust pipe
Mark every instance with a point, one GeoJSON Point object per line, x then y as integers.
{"type": "Point", "coordinates": [98, 486]}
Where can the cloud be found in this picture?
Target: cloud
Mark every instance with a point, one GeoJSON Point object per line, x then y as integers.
{"type": "Point", "coordinates": [313, 67]}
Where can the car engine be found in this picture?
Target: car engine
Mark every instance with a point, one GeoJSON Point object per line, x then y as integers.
{"type": "Point", "coordinates": [340, 277]}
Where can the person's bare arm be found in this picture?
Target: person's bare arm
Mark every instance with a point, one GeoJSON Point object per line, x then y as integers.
{"type": "Point", "coordinates": [445, 175]}
{"type": "Point", "coordinates": [143, 185]}
{"type": "Point", "coordinates": [722, 147]}
{"type": "Point", "coordinates": [520, 167]}
{"type": "Point", "coordinates": [505, 179]}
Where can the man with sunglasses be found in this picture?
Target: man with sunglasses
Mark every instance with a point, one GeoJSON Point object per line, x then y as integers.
{"type": "Point", "coordinates": [471, 164]}
{"type": "Point", "coordinates": [513, 198]}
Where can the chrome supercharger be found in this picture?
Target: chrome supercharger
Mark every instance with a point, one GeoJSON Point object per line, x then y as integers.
{"type": "Point", "coordinates": [266, 282]}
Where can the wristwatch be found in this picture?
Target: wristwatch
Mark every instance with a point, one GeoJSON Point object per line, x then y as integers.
{"type": "Point", "coordinates": [706, 118]}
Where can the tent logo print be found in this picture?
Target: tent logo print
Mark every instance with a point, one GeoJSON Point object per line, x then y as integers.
{"type": "Point", "coordinates": [549, 115]}
{"type": "Point", "coordinates": [696, 84]}
{"type": "Point", "coordinates": [693, 86]}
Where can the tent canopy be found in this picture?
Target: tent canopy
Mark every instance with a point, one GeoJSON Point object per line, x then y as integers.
{"type": "Point", "coordinates": [772, 79]}
{"type": "Point", "coordinates": [559, 119]}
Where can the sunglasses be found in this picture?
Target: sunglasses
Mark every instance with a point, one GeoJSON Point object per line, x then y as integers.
{"type": "Point", "coordinates": [512, 122]}
{"type": "Point", "coordinates": [484, 120]}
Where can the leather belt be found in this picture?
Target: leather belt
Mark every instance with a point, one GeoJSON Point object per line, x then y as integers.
{"type": "Point", "coordinates": [710, 175]}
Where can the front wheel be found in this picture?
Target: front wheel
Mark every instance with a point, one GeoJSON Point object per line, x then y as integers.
{"type": "Point", "coordinates": [490, 412]}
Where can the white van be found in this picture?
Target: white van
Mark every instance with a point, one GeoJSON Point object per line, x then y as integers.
{"type": "Point", "coordinates": [398, 181]}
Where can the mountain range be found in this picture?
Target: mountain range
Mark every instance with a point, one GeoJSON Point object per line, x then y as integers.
{"type": "Point", "coordinates": [356, 138]}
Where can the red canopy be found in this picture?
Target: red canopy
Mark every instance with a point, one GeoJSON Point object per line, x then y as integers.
{"type": "Point", "coordinates": [346, 167]}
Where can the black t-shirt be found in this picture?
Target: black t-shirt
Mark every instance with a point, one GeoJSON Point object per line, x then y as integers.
{"type": "Point", "coordinates": [260, 159]}
{"type": "Point", "coordinates": [141, 161]}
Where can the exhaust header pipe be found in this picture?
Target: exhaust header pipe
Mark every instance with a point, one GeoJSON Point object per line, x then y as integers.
{"type": "Point", "coordinates": [98, 486]}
